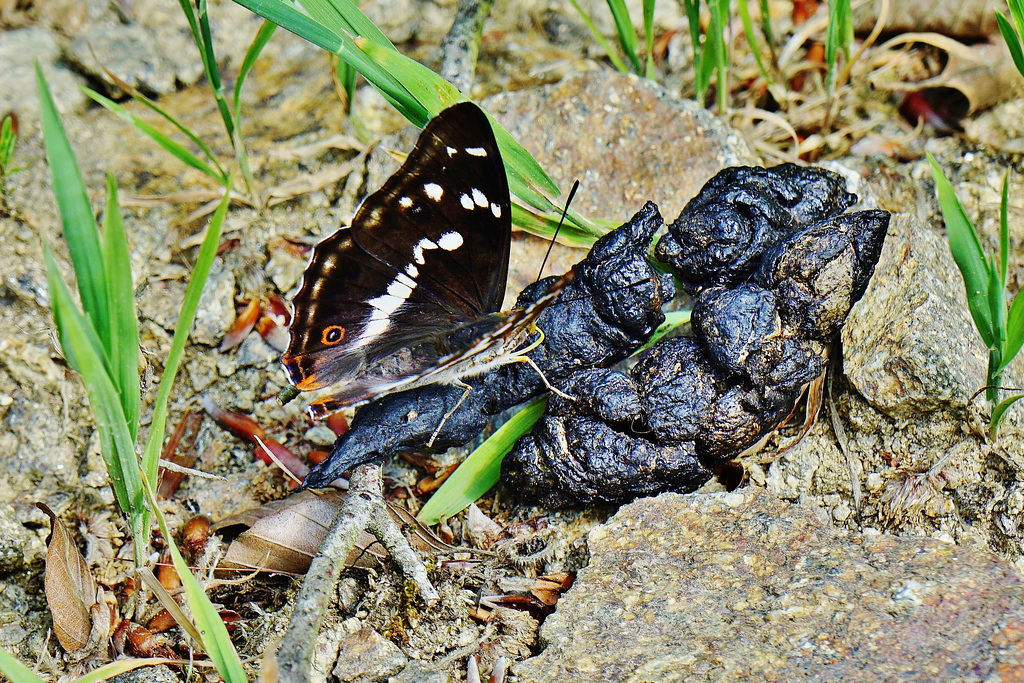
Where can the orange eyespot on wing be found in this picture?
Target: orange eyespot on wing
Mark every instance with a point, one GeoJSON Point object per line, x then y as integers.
{"type": "Point", "coordinates": [332, 335]}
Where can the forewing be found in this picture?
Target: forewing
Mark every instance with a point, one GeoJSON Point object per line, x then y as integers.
{"type": "Point", "coordinates": [446, 214]}
{"type": "Point", "coordinates": [426, 252]}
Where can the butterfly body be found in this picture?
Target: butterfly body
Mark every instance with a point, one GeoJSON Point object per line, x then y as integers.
{"type": "Point", "coordinates": [409, 294]}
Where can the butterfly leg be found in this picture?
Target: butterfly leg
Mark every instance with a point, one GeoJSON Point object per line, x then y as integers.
{"type": "Point", "coordinates": [554, 390]}
{"type": "Point", "coordinates": [465, 393]}
{"type": "Point", "coordinates": [521, 357]}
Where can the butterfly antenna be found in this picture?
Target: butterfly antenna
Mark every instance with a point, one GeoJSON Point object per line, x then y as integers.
{"type": "Point", "coordinates": [572, 193]}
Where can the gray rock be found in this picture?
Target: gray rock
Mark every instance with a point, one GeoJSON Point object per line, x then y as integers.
{"type": "Point", "coordinates": [147, 674]}
{"type": "Point", "coordinates": [130, 52]}
{"type": "Point", "coordinates": [18, 50]}
{"type": "Point", "coordinates": [366, 657]}
{"type": "Point", "coordinates": [742, 586]}
{"type": "Point", "coordinates": [419, 672]}
{"type": "Point", "coordinates": [910, 344]}
{"type": "Point", "coordinates": [216, 307]}
{"type": "Point", "coordinates": [16, 542]}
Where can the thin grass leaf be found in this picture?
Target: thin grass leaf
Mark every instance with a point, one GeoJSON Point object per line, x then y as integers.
{"type": "Point", "coordinates": [719, 22]}
{"type": "Point", "coordinates": [748, 30]}
{"type": "Point", "coordinates": [16, 671]}
{"type": "Point", "coordinates": [700, 84]}
{"type": "Point", "coordinates": [259, 42]}
{"type": "Point", "coordinates": [999, 412]}
{"type": "Point", "coordinates": [204, 41]}
{"type": "Point", "coordinates": [216, 641]}
{"type": "Point", "coordinates": [263, 37]}
{"type": "Point", "coordinates": [346, 14]}
{"type": "Point", "coordinates": [1017, 12]}
{"type": "Point", "coordinates": [82, 349]}
{"type": "Point", "coordinates": [673, 320]}
{"type": "Point", "coordinates": [997, 307]}
{"type": "Point", "coordinates": [1004, 231]}
{"type": "Point", "coordinates": [124, 351]}
{"type": "Point", "coordinates": [968, 254]}
{"type": "Point", "coordinates": [766, 28]}
{"type": "Point", "coordinates": [177, 150]}
{"type": "Point", "coordinates": [545, 226]}
{"type": "Point", "coordinates": [347, 81]}
{"type": "Point", "coordinates": [1014, 330]}
{"type": "Point", "coordinates": [79, 225]}
{"type": "Point", "coordinates": [626, 32]}
{"type": "Point", "coordinates": [7, 139]}
{"type": "Point", "coordinates": [482, 469]}
{"type": "Point", "coordinates": [339, 43]}
{"type": "Point", "coordinates": [613, 56]}
{"type": "Point", "coordinates": [108, 671]}
{"type": "Point", "coordinates": [187, 315]}
{"type": "Point", "coordinates": [1013, 42]}
{"type": "Point", "coordinates": [649, 38]}
{"type": "Point", "coordinates": [838, 37]}
{"type": "Point", "coordinates": [154, 107]}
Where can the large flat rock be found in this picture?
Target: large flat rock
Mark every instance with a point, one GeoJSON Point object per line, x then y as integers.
{"type": "Point", "coordinates": [743, 586]}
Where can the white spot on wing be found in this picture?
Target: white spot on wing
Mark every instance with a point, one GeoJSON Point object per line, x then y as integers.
{"type": "Point", "coordinates": [480, 198]}
{"type": "Point", "coordinates": [434, 191]}
{"type": "Point", "coordinates": [450, 241]}
{"type": "Point", "coordinates": [467, 202]}
{"type": "Point", "coordinates": [451, 151]}
{"type": "Point", "coordinates": [476, 151]}
{"type": "Point", "coordinates": [496, 210]}
{"type": "Point", "coordinates": [373, 329]}
{"type": "Point", "coordinates": [399, 289]}
{"type": "Point", "coordinates": [406, 280]}
{"type": "Point", "coordinates": [387, 303]}
{"type": "Point", "coordinates": [421, 246]}
{"type": "Point", "coordinates": [405, 202]}
{"type": "Point", "coordinates": [412, 271]}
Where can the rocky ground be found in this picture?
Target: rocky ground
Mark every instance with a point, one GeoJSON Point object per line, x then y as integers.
{"type": "Point", "coordinates": [897, 557]}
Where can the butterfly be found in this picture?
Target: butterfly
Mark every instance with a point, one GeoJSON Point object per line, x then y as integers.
{"type": "Point", "coordinates": [410, 293]}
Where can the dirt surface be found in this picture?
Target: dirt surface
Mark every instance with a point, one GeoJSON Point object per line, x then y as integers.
{"type": "Point", "coordinates": [916, 462]}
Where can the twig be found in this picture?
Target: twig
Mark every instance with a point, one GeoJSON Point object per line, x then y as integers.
{"type": "Point", "coordinates": [461, 46]}
{"type": "Point", "coordinates": [363, 509]}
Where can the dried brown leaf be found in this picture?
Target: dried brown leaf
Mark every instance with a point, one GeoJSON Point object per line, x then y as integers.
{"type": "Point", "coordinates": [983, 75]}
{"type": "Point", "coordinates": [284, 536]}
{"type": "Point", "coordinates": [81, 618]}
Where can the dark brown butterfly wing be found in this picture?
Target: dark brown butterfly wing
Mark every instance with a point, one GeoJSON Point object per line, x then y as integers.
{"type": "Point", "coordinates": [426, 253]}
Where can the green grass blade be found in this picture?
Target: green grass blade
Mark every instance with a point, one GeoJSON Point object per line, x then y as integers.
{"type": "Point", "coordinates": [82, 349]}
{"type": "Point", "coordinates": [968, 254]}
{"type": "Point", "coordinates": [766, 26]}
{"type": "Point", "coordinates": [80, 230]}
{"type": "Point", "coordinates": [997, 306]}
{"type": "Point", "coordinates": [673, 320]}
{"type": "Point", "coordinates": [1013, 42]}
{"type": "Point", "coordinates": [627, 34]}
{"type": "Point", "coordinates": [345, 15]}
{"type": "Point", "coordinates": [16, 671]}
{"type": "Point", "coordinates": [263, 37]}
{"type": "Point", "coordinates": [613, 57]}
{"type": "Point", "coordinates": [155, 108]}
{"type": "Point", "coordinates": [204, 41]}
{"type": "Point", "coordinates": [999, 412]}
{"type": "Point", "coordinates": [544, 227]}
{"type": "Point", "coordinates": [838, 37]}
{"type": "Point", "coordinates": [124, 353]}
{"type": "Point", "coordinates": [1017, 12]}
{"type": "Point", "coordinates": [748, 30]}
{"type": "Point", "coordinates": [1004, 231]}
{"type": "Point", "coordinates": [187, 315]}
{"type": "Point", "coordinates": [1014, 330]}
{"type": "Point", "coordinates": [7, 140]}
{"type": "Point", "coordinates": [649, 38]}
{"type": "Point", "coordinates": [482, 469]}
{"type": "Point", "coordinates": [216, 641]}
{"type": "Point", "coordinates": [120, 666]}
{"type": "Point", "coordinates": [175, 149]}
